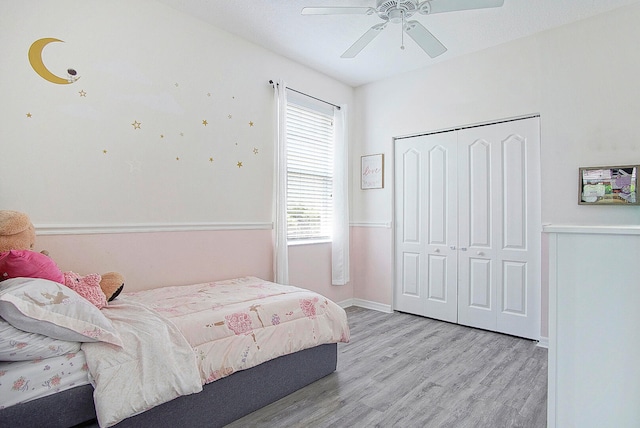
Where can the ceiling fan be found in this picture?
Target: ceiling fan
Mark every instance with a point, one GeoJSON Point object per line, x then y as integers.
{"type": "Point", "coordinates": [397, 12]}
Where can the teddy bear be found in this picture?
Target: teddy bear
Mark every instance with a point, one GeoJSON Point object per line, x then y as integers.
{"type": "Point", "coordinates": [17, 258]}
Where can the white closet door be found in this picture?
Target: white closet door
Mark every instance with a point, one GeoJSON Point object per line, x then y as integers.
{"type": "Point", "coordinates": [426, 226]}
{"type": "Point", "coordinates": [468, 226]}
{"type": "Point", "coordinates": [478, 198]}
{"type": "Point", "coordinates": [499, 228]}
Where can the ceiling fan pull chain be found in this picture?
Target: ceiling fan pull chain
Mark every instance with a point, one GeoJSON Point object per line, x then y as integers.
{"type": "Point", "coordinates": [402, 32]}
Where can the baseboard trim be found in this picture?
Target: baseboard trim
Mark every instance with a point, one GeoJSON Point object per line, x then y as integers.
{"type": "Point", "coordinates": [346, 303]}
{"type": "Point", "coordinates": [367, 304]}
{"type": "Point", "coordinates": [96, 229]}
{"type": "Point", "coordinates": [543, 342]}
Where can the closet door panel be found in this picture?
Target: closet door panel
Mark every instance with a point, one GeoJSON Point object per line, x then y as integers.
{"type": "Point", "coordinates": [514, 236]}
{"type": "Point", "coordinates": [411, 212]}
{"type": "Point", "coordinates": [437, 282]}
{"type": "Point", "coordinates": [480, 284]}
{"type": "Point", "coordinates": [426, 228]}
{"type": "Point", "coordinates": [514, 288]}
{"type": "Point", "coordinates": [410, 290]}
{"type": "Point", "coordinates": [514, 197]}
{"type": "Point", "coordinates": [477, 224]}
{"type": "Point", "coordinates": [477, 200]}
{"type": "Point", "coordinates": [411, 274]}
{"type": "Point", "coordinates": [521, 225]}
{"type": "Point", "coordinates": [441, 226]}
{"type": "Point", "coordinates": [438, 192]}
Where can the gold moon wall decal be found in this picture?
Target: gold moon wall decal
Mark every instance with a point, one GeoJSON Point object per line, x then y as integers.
{"type": "Point", "coordinates": [35, 58]}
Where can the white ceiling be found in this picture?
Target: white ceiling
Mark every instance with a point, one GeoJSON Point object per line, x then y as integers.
{"type": "Point", "coordinates": [318, 40]}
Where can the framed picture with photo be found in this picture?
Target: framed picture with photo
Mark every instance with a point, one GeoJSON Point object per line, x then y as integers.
{"type": "Point", "coordinates": [608, 185]}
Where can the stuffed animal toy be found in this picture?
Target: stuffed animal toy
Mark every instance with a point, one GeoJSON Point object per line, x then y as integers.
{"type": "Point", "coordinates": [87, 286]}
{"type": "Point", "coordinates": [17, 240]}
{"type": "Point", "coordinates": [16, 231]}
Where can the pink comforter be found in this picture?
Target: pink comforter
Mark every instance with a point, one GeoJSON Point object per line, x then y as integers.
{"type": "Point", "coordinates": [237, 324]}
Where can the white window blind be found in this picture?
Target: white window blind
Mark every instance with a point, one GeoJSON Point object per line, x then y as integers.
{"type": "Point", "coordinates": [309, 173]}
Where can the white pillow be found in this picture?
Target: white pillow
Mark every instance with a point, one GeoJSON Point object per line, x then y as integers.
{"type": "Point", "coordinates": [52, 309]}
{"type": "Point", "coordinates": [18, 345]}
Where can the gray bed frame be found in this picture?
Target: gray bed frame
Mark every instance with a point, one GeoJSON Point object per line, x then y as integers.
{"type": "Point", "coordinates": [219, 403]}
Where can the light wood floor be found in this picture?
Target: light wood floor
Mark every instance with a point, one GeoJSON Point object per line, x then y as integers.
{"type": "Point", "coordinates": [401, 370]}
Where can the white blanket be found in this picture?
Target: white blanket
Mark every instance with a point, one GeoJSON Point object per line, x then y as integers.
{"type": "Point", "coordinates": [122, 387]}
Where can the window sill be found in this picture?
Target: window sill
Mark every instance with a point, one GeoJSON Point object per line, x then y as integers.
{"type": "Point", "coordinates": [308, 242]}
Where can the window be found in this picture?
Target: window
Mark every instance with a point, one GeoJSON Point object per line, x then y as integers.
{"type": "Point", "coordinates": [310, 136]}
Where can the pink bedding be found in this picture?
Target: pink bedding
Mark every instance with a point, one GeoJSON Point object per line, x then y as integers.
{"type": "Point", "coordinates": [237, 324]}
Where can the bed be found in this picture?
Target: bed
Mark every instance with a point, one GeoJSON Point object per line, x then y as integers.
{"type": "Point", "coordinates": [211, 353]}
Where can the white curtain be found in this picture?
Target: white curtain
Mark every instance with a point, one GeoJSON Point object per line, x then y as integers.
{"type": "Point", "coordinates": [340, 240]}
{"type": "Point", "coordinates": [280, 249]}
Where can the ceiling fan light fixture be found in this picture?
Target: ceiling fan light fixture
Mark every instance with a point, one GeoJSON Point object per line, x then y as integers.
{"type": "Point", "coordinates": [396, 16]}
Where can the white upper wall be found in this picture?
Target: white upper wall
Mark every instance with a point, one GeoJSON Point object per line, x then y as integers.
{"type": "Point", "coordinates": [79, 160]}
{"type": "Point", "coordinates": [581, 78]}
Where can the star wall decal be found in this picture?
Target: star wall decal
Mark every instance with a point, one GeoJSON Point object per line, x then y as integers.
{"type": "Point", "coordinates": [239, 164]}
{"type": "Point", "coordinates": [29, 115]}
{"type": "Point", "coordinates": [104, 152]}
{"type": "Point", "coordinates": [211, 159]}
{"type": "Point", "coordinates": [205, 123]}
{"type": "Point", "coordinates": [82, 93]}
{"type": "Point", "coordinates": [208, 94]}
{"type": "Point", "coordinates": [136, 124]}
{"type": "Point", "coordinates": [255, 151]}
{"type": "Point", "coordinates": [230, 116]}
{"type": "Point", "coordinates": [177, 158]}
{"type": "Point", "coordinates": [161, 135]}
{"type": "Point", "coordinates": [250, 123]}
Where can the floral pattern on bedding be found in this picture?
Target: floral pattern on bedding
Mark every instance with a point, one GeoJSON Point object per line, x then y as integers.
{"type": "Point", "coordinates": [237, 324]}
{"type": "Point", "coordinates": [19, 345]}
{"type": "Point", "coordinates": [22, 381]}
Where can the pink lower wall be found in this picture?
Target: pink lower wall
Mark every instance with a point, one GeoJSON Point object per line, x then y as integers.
{"type": "Point", "coordinates": [372, 264]}
{"type": "Point", "coordinates": [156, 259]}
{"type": "Point", "coordinates": [310, 267]}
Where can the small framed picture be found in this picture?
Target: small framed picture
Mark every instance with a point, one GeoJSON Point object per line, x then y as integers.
{"type": "Point", "coordinates": [372, 172]}
{"type": "Point", "coordinates": [608, 185]}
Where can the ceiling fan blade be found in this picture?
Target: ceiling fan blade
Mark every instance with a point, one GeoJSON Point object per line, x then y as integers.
{"type": "Point", "coordinates": [364, 40]}
{"type": "Point", "coordinates": [424, 39]}
{"type": "Point", "coordinates": [338, 10]}
{"type": "Point", "coordinates": [440, 6]}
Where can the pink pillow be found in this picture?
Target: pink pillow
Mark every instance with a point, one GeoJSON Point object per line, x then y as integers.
{"type": "Point", "coordinates": [28, 264]}
{"type": "Point", "coordinates": [87, 286]}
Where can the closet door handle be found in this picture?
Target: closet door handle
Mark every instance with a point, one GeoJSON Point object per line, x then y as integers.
{"type": "Point", "coordinates": [463, 249]}
{"type": "Point", "coordinates": [453, 247]}
{"type": "Point", "coordinates": [437, 250]}
{"type": "Point", "coordinates": [480, 253]}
